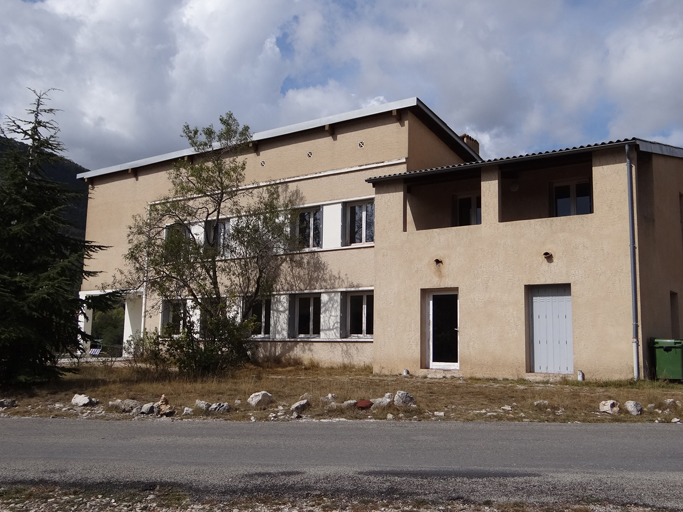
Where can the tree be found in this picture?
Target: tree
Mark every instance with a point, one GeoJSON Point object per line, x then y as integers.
{"type": "Point", "coordinates": [210, 248]}
{"type": "Point", "coordinates": [41, 255]}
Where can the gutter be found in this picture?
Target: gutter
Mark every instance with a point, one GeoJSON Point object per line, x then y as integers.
{"type": "Point", "coordinates": [634, 295]}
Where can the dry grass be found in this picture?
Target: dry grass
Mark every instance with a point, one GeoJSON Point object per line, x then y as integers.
{"type": "Point", "coordinates": [458, 399]}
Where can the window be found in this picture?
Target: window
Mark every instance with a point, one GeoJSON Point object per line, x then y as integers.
{"type": "Point", "coordinates": [175, 316]}
{"type": "Point", "coordinates": [215, 235]}
{"type": "Point", "coordinates": [360, 222]}
{"type": "Point", "coordinates": [308, 315]}
{"type": "Point", "coordinates": [360, 314]}
{"type": "Point", "coordinates": [309, 228]}
{"type": "Point", "coordinates": [467, 210]}
{"type": "Point", "coordinates": [572, 199]}
{"type": "Point", "coordinates": [261, 310]}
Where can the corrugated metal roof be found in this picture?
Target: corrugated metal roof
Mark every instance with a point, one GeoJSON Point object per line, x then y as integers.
{"type": "Point", "coordinates": [414, 103]}
{"type": "Point", "coordinates": [644, 145]}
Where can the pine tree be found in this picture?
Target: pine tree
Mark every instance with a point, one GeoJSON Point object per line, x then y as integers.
{"type": "Point", "coordinates": [41, 256]}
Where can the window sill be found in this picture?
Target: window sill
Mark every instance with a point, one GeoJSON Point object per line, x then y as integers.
{"type": "Point", "coordinates": [315, 340]}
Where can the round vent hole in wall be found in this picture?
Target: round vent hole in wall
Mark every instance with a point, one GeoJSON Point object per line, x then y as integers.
{"type": "Point", "coordinates": [263, 163]}
{"type": "Point", "coordinates": [361, 144]}
{"type": "Point", "coordinates": [309, 154]}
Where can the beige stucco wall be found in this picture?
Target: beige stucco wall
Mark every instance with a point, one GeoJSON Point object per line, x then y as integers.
{"type": "Point", "coordinates": [660, 244]}
{"type": "Point", "coordinates": [325, 354]}
{"type": "Point", "coordinates": [425, 149]}
{"type": "Point", "coordinates": [491, 264]}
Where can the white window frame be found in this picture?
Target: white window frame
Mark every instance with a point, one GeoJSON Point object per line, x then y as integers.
{"type": "Point", "coordinates": [474, 219]}
{"type": "Point", "coordinates": [262, 320]}
{"type": "Point", "coordinates": [430, 330]}
{"type": "Point", "coordinates": [572, 195]}
{"type": "Point", "coordinates": [311, 227]}
{"type": "Point", "coordinates": [364, 228]}
{"type": "Point", "coordinates": [311, 322]}
{"type": "Point", "coordinates": [182, 324]}
{"type": "Point", "coordinates": [225, 221]}
{"type": "Point", "coordinates": [364, 321]}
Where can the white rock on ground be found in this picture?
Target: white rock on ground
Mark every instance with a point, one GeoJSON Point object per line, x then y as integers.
{"type": "Point", "coordinates": [299, 406]}
{"type": "Point", "coordinates": [403, 399]}
{"type": "Point", "coordinates": [148, 408]}
{"type": "Point", "coordinates": [378, 403]}
{"type": "Point", "coordinates": [8, 402]}
{"type": "Point", "coordinates": [219, 407]}
{"type": "Point", "coordinates": [331, 397]}
{"type": "Point", "coordinates": [201, 404]}
{"type": "Point", "coordinates": [349, 404]}
{"type": "Point", "coordinates": [609, 406]}
{"type": "Point", "coordinates": [187, 411]}
{"type": "Point", "coordinates": [541, 403]}
{"type": "Point", "coordinates": [633, 407]}
{"type": "Point", "coordinates": [675, 420]}
{"type": "Point", "coordinates": [82, 401]}
{"type": "Point", "coordinates": [306, 396]}
{"type": "Point", "coordinates": [669, 402]}
{"type": "Point", "coordinates": [260, 399]}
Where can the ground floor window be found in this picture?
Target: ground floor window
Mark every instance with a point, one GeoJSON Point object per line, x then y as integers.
{"type": "Point", "coordinates": [361, 314]}
{"type": "Point", "coordinates": [308, 315]}
{"type": "Point", "coordinates": [261, 310]}
{"type": "Point", "coordinates": [443, 330]}
{"type": "Point", "coordinates": [175, 316]}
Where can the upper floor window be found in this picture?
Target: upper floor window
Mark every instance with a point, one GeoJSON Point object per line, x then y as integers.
{"type": "Point", "coordinates": [216, 234]}
{"type": "Point", "coordinates": [467, 210]}
{"type": "Point", "coordinates": [572, 199]}
{"type": "Point", "coordinates": [360, 222]}
{"type": "Point", "coordinates": [360, 314]}
{"type": "Point", "coordinates": [309, 228]}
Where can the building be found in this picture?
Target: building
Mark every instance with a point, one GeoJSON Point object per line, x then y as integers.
{"type": "Point", "coordinates": [439, 262]}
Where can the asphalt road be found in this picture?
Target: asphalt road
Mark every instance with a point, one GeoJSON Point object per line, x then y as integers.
{"type": "Point", "coordinates": [543, 463]}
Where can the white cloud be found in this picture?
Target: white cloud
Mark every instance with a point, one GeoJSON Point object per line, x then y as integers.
{"type": "Point", "coordinates": [524, 76]}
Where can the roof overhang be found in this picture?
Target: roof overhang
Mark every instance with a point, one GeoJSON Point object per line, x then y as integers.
{"type": "Point", "coordinates": [558, 156]}
{"type": "Point", "coordinates": [415, 105]}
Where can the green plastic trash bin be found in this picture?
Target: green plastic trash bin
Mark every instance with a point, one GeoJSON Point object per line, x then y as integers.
{"type": "Point", "coordinates": [669, 359]}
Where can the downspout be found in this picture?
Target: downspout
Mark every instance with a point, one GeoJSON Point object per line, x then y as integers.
{"type": "Point", "coordinates": [634, 294]}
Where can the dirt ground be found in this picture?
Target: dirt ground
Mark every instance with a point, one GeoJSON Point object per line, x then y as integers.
{"type": "Point", "coordinates": [442, 399]}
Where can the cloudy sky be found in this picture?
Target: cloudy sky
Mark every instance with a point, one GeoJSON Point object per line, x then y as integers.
{"type": "Point", "coordinates": [521, 76]}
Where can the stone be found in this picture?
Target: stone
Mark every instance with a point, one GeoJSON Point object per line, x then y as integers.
{"type": "Point", "coordinates": [363, 404]}
{"type": "Point", "coordinates": [83, 401]}
{"type": "Point", "coordinates": [403, 399]}
{"type": "Point", "coordinates": [669, 402]}
{"type": "Point", "coordinates": [148, 409]}
{"type": "Point", "coordinates": [676, 420]}
{"type": "Point", "coordinates": [633, 407]}
{"type": "Point", "coordinates": [506, 408]}
{"type": "Point", "coordinates": [541, 403]}
{"type": "Point", "coordinates": [260, 399]}
{"type": "Point", "coordinates": [219, 407]}
{"type": "Point", "coordinates": [609, 406]}
{"type": "Point", "coordinates": [238, 402]}
{"type": "Point", "coordinates": [187, 411]}
{"type": "Point", "coordinates": [300, 406]}
{"type": "Point", "coordinates": [329, 398]}
{"type": "Point", "coordinates": [439, 414]}
{"type": "Point", "coordinates": [136, 411]}
{"type": "Point", "coordinates": [306, 396]}
{"type": "Point", "coordinates": [349, 403]}
{"type": "Point", "coordinates": [202, 405]}
{"type": "Point", "coordinates": [8, 402]}
{"type": "Point", "coordinates": [163, 408]}
{"type": "Point", "coordinates": [651, 407]}
{"type": "Point", "coordinates": [559, 412]}
{"type": "Point", "coordinates": [378, 403]}
{"type": "Point", "coordinates": [390, 416]}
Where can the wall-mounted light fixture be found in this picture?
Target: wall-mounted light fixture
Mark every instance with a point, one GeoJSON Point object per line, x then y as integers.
{"type": "Point", "coordinates": [548, 256]}
{"type": "Point", "coordinates": [438, 261]}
